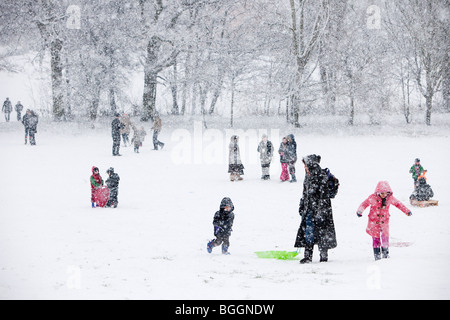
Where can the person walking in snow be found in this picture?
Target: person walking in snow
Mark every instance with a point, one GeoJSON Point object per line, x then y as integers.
{"type": "Point", "coordinates": [113, 185]}
{"type": "Point", "coordinates": [7, 109]}
{"type": "Point", "coordinates": [125, 131]}
{"type": "Point", "coordinates": [223, 223]}
{"type": "Point", "coordinates": [265, 149]}
{"type": "Point", "coordinates": [157, 126]}
{"type": "Point", "coordinates": [283, 160]}
{"type": "Point", "coordinates": [96, 182]}
{"type": "Point", "coordinates": [291, 156]}
{"type": "Point", "coordinates": [416, 170]}
{"type": "Point", "coordinates": [317, 225]}
{"type": "Point", "coordinates": [30, 121]}
{"type": "Point", "coordinates": [19, 108]}
{"type": "Point", "coordinates": [235, 166]}
{"type": "Point", "coordinates": [378, 225]}
{"type": "Point", "coordinates": [116, 126]}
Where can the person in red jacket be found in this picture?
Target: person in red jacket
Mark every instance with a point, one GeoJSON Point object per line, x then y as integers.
{"type": "Point", "coordinates": [96, 182]}
{"type": "Point", "coordinates": [378, 226]}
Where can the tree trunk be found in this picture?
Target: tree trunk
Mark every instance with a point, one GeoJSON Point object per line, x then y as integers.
{"type": "Point", "coordinates": [57, 79]}
{"type": "Point", "coordinates": [174, 89]}
{"type": "Point", "coordinates": [150, 79]}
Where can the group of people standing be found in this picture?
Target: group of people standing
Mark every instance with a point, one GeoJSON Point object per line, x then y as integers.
{"type": "Point", "coordinates": [287, 152]}
{"type": "Point", "coordinates": [7, 109]}
{"type": "Point", "coordinates": [30, 120]}
{"type": "Point", "coordinates": [121, 128]}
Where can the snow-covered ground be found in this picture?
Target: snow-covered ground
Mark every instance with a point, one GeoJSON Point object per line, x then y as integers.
{"type": "Point", "coordinates": [53, 245]}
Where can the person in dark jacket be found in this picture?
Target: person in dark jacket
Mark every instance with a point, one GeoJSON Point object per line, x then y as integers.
{"type": "Point", "coordinates": [113, 185]}
{"type": "Point", "coordinates": [317, 225]}
{"type": "Point", "coordinates": [223, 223]}
{"type": "Point", "coordinates": [30, 121]}
{"type": "Point", "coordinates": [116, 126]}
{"type": "Point", "coordinates": [291, 156]}
{"type": "Point", "coordinates": [7, 109]}
{"type": "Point", "coordinates": [283, 160]}
{"type": "Point", "coordinates": [19, 108]}
{"type": "Point", "coordinates": [422, 192]}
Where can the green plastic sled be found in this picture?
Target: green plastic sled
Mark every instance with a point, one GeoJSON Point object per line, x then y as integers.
{"type": "Point", "coordinates": [280, 255]}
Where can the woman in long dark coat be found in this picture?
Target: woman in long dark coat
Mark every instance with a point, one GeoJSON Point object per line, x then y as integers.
{"type": "Point", "coordinates": [317, 226]}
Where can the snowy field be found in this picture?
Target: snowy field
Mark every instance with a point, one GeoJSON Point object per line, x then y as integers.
{"type": "Point", "coordinates": [53, 245]}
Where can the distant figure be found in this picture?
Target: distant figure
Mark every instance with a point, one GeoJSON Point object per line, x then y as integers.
{"type": "Point", "coordinates": [7, 109]}
{"type": "Point", "coordinates": [235, 166]}
{"type": "Point", "coordinates": [113, 185]}
{"type": "Point", "coordinates": [157, 126]}
{"type": "Point", "coordinates": [138, 138]}
{"type": "Point", "coordinates": [291, 156]}
{"type": "Point", "coordinates": [283, 160]}
{"type": "Point", "coordinates": [416, 170]}
{"type": "Point", "coordinates": [116, 126]}
{"type": "Point", "coordinates": [265, 149]}
{"type": "Point", "coordinates": [30, 121]}
{"type": "Point", "coordinates": [125, 132]}
{"type": "Point", "coordinates": [19, 108]}
{"type": "Point", "coordinates": [423, 191]}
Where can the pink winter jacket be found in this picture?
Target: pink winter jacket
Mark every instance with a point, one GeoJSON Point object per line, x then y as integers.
{"type": "Point", "coordinates": [378, 216]}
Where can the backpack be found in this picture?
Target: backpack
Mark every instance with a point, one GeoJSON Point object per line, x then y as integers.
{"type": "Point", "coordinates": [333, 183]}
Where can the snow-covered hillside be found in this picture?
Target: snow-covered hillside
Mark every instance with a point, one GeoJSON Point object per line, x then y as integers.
{"type": "Point", "coordinates": [53, 245]}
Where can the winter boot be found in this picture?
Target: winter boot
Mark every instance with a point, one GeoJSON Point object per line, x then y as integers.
{"type": "Point", "coordinates": [238, 177]}
{"type": "Point", "coordinates": [26, 140]}
{"type": "Point", "coordinates": [308, 256]}
{"type": "Point", "coordinates": [225, 250]}
{"type": "Point", "coordinates": [294, 179]}
{"type": "Point", "coordinates": [209, 246]}
{"type": "Point", "coordinates": [323, 255]}
{"type": "Point", "coordinates": [377, 253]}
{"type": "Point", "coordinates": [93, 205]}
{"type": "Point", "coordinates": [232, 177]}
{"type": "Point", "coordinates": [385, 252]}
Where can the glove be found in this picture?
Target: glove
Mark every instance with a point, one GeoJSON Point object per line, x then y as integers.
{"type": "Point", "coordinates": [359, 214]}
{"type": "Point", "coordinates": [409, 214]}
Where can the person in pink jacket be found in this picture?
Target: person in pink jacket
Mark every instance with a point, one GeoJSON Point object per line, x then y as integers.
{"type": "Point", "coordinates": [378, 226]}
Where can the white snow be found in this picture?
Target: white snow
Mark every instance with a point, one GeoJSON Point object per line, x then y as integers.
{"type": "Point", "coordinates": [53, 245]}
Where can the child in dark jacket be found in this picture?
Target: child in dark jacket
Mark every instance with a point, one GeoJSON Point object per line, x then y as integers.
{"type": "Point", "coordinates": [223, 223]}
{"type": "Point", "coordinates": [113, 185]}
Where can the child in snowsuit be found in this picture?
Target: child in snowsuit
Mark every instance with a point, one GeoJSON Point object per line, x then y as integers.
{"type": "Point", "coordinates": [265, 149]}
{"type": "Point", "coordinates": [423, 191]}
{"type": "Point", "coordinates": [223, 222]}
{"type": "Point", "coordinates": [283, 160]}
{"type": "Point", "coordinates": [138, 138]}
{"type": "Point", "coordinates": [378, 226]}
{"type": "Point", "coordinates": [96, 182]}
{"type": "Point", "coordinates": [416, 170]}
{"type": "Point", "coordinates": [113, 185]}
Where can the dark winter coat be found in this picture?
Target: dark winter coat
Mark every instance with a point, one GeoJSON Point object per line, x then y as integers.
{"type": "Point", "coordinates": [7, 106]}
{"type": "Point", "coordinates": [223, 220]}
{"type": "Point", "coordinates": [291, 154]}
{"type": "Point", "coordinates": [422, 192]}
{"type": "Point", "coordinates": [316, 202]}
{"type": "Point", "coordinates": [113, 182]}
{"type": "Point", "coordinates": [116, 126]}
{"type": "Point", "coordinates": [30, 121]}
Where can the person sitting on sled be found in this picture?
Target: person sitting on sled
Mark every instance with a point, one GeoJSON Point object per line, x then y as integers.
{"type": "Point", "coordinates": [378, 226]}
{"type": "Point", "coordinates": [96, 182]}
{"type": "Point", "coordinates": [423, 191]}
{"type": "Point", "coordinates": [223, 222]}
